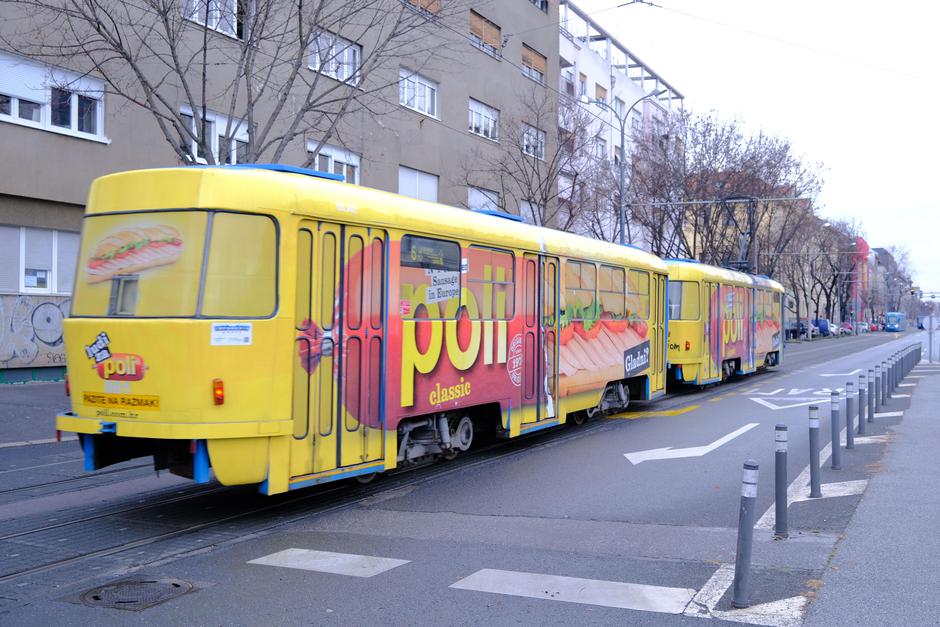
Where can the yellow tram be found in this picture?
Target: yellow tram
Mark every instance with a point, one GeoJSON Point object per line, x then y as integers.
{"type": "Point", "coordinates": [284, 329]}
{"type": "Point", "coordinates": [721, 322]}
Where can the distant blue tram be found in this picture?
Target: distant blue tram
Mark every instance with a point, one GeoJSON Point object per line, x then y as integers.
{"type": "Point", "coordinates": [895, 321]}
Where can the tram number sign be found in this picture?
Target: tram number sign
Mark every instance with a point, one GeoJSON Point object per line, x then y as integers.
{"type": "Point", "coordinates": [636, 359]}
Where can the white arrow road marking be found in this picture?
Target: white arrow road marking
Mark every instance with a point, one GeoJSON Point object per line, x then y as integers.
{"type": "Point", "coordinates": [773, 405]}
{"type": "Point", "coordinates": [782, 613]}
{"type": "Point", "coordinates": [847, 374]}
{"type": "Point", "coordinates": [900, 396]}
{"type": "Point", "coordinates": [695, 451]}
{"type": "Point", "coordinates": [871, 439]}
{"type": "Point", "coordinates": [907, 385]}
{"type": "Point", "coordinates": [832, 490]}
{"type": "Point", "coordinates": [889, 414]}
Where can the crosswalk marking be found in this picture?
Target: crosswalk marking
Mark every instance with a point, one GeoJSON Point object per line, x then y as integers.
{"type": "Point", "coordinates": [328, 562]}
{"type": "Point", "coordinates": [628, 596]}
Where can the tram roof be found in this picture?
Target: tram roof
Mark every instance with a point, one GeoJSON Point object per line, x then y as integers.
{"type": "Point", "coordinates": [285, 193]}
{"type": "Point", "coordinates": [692, 270]}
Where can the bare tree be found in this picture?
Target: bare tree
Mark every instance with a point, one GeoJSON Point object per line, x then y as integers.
{"type": "Point", "coordinates": [703, 188]}
{"type": "Point", "coordinates": [275, 70]}
{"type": "Point", "coordinates": [557, 184]}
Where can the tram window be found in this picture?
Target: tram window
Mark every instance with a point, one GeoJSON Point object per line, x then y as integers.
{"type": "Point", "coordinates": [580, 288]}
{"type": "Point", "coordinates": [430, 278]}
{"type": "Point", "coordinates": [302, 311]}
{"type": "Point", "coordinates": [327, 280]}
{"type": "Point", "coordinates": [490, 281]}
{"type": "Point", "coordinates": [612, 292]}
{"type": "Point", "coordinates": [241, 268]}
{"type": "Point", "coordinates": [164, 249]}
{"type": "Point", "coordinates": [530, 289]}
{"type": "Point", "coordinates": [638, 293]}
{"type": "Point", "coordinates": [548, 294]}
{"type": "Point", "coordinates": [683, 300]}
{"type": "Point", "coordinates": [377, 301]}
{"type": "Point", "coordinates": [354, 270]}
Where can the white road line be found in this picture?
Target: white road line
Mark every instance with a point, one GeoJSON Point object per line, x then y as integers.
{"type": "Point", "coordinates": [889, 414]}
{"type": "Point", "coordinates": [705, 600]}
{"type": "Point", "coordinates": [907, 385]}
{"type": "Point", "coordinates": [33, 442]}
{"type": "Point", "coordinates": [328, 562]}
{"type": "Point", "coordinates": [915, 376]}
{"type": "Point", "coordinates": [628, 596]}
{"type": "Point", "coordinates": [900, 396]}
{"type": "Point", "coordinates": [833, 490]}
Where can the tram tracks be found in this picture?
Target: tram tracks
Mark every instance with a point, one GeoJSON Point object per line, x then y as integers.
{"type": "Point", "coordinates": [66, 480]}
{"type": "Point", "coordinates": [286, 509]}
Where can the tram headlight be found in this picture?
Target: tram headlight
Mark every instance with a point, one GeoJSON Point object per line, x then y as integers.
{"type": "Point", "coordinates": [218, 391]}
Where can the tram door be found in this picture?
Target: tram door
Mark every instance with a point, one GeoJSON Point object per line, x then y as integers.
{"type": "Point", "coordinates": [712, 332]}
{"type": "Point", "coordinates": [540, 338]}
{"type": "Point", "coordinates": [658, 346]}
{"type": "Point", "coordinates": [338, 347]}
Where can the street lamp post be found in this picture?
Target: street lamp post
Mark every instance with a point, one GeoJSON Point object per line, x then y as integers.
{"type": "Point", "coordinates": [623, 147]}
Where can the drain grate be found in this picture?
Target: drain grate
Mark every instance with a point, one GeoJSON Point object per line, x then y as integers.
{"type": "Point", "coordinates": [135, 594]}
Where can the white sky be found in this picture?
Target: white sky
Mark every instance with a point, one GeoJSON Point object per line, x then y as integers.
{"type": "Point", "coordinates": [853, 85]}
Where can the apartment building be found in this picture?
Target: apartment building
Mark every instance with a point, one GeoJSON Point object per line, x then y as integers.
{"type": "Point", "coordinates": [600, 74]}
{"type": "Point", "coordinates": [446, 102]}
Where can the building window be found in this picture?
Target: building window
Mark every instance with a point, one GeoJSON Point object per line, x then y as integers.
{"type": "Point", "coordinates": [600, 147]}
{"type": "Point", "coordinates": [482, 199]}
{"type": "Point", "coordinates": [542, 5]}
{"type": "Point", "coordinates": [567, 82]}
{"type": "Point", "coordinates": [417, 92]}
{"type": "Point", "coordinates": [617, 155]}
{"type": "Point", "coordinates": [635, 122]}
{"type": "Point", "coordinates": [430, 7]}
{"type": "Point", "coordinates": [484, 120]}
{"type": "Point", "coordinates": [224, 16]}
{"type": "Point", "coordinates": [336, 160]}
{"type": "Point", "coordinates": [50, 99]}
{"type": "Point", "coordinates": [600, 93]}
{"type": "Point", "coordinates": [582, 84]}
{"type": "Point", "coordinates": [484, 34]}
{"type": "Point", "coordinates": [533, 141]}
{"type": "Point", "coordinates": [533, 64]}
{"type": "Point", "coordinates": [336, 57]}
{"type": "Point", "coordinates": [619, 107]}
{"type": "Point", "coordinates": [417, 184]}
{"type": "Point", "coordinates": [228, 143]}
{"type": "Point", "coordinates": [37, 261]}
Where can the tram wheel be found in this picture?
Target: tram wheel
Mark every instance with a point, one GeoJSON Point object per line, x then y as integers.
{"type": "Point", "coordinates": [450, 455]}
{"type": "Point", "coordinates": [367, 478]}
{"type": "Point", "coordinates": [578, 418]}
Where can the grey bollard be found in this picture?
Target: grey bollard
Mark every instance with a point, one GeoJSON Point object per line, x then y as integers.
{"type": "Point", "coordinates": [871, 395]}
{"type": "Point", "coordinates": [849, 415]}
{"type": "Point", "coordinates": [862, 403]}
{"type": "Point", "coordinates": [877, 385]}
{"type": "Point", "coordinates": [780, 481]}
{"type": "Point", "coordinates": [836, 428]}
{"type": "Point", "coordinates": [742, 558]}
{"type": "Point", "coordinates": [884, 384]}
{"type": "Point", "coordinates": [814, 488]}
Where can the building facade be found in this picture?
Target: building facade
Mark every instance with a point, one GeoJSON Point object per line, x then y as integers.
{"type": "Point", "coordinates": [435, 111]}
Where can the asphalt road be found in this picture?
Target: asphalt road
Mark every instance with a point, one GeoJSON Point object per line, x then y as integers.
{"type": "Point", "coordinates": [563, 517]}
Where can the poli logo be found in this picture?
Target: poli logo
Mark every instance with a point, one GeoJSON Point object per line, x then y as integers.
{"type": "Point", "coordinates": [122, 367]}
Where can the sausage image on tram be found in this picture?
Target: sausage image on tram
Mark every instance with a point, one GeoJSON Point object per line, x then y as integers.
{"type": "Point", "coordinates": [721, 322]}
{"type": "Point", "coordinates": [275, 326]}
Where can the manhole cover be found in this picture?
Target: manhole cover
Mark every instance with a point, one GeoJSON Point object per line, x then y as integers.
{"type": "Point", "coordinates": [135, 594]}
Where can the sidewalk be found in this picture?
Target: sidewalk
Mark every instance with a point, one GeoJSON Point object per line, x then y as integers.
{"type": "Point", "coordinates": [27, 411]}
{"type": "Point", "coordinates": [884, 571]}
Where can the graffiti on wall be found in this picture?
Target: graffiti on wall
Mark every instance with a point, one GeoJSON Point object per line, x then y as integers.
{"type": "Point", "coordinates": [31, 330]}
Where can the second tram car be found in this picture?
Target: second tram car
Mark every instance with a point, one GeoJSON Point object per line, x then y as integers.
{"type": "Point", "coordinates": [721, 322]}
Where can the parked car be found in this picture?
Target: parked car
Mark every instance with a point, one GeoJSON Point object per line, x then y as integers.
{"type": "Point", "coordinates": [822, 324]}
{"type": "Point", "coordinates": [874, 326]}
{"type": "Point", "coordinates": [846, 329]}
{"type": "Point", "coordinates": [861, 327]}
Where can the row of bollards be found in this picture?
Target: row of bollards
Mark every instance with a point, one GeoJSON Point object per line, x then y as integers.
{"type": "Point", "coordinates": [873, 392]}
